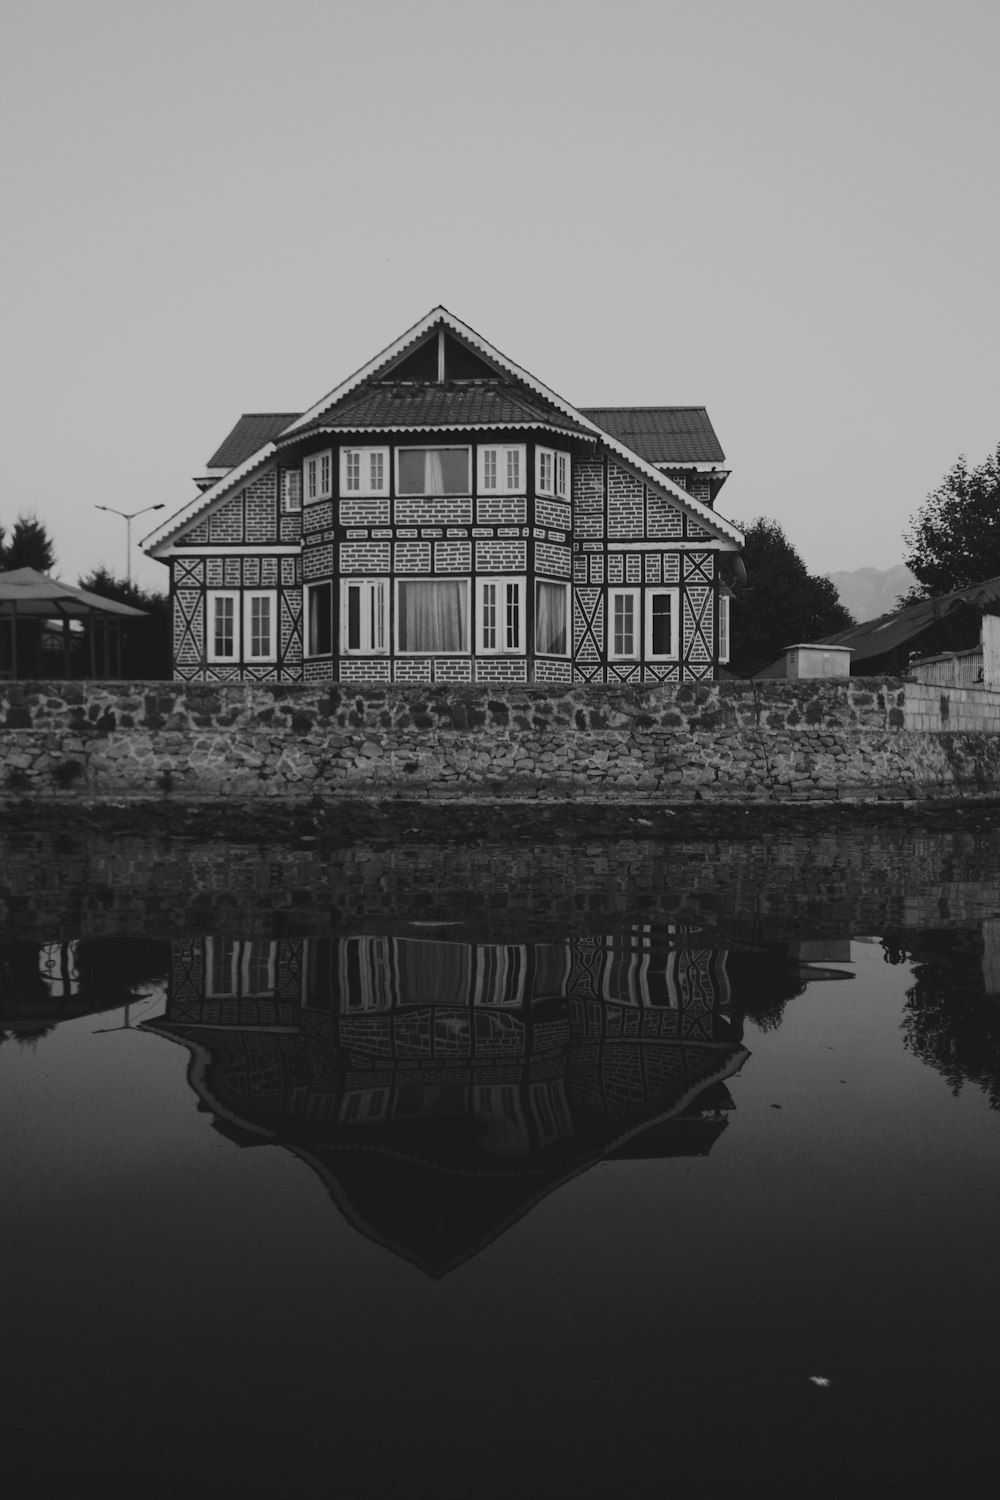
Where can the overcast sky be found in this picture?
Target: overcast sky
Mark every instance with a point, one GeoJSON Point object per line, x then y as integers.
{"type": "Point", "coordinates": [784, 210]}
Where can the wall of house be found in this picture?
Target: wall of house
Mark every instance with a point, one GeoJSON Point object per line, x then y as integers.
{"type": "Point", "coordinates": [611, 531]}
{"type": "Point", "coordinates": [722, 741]}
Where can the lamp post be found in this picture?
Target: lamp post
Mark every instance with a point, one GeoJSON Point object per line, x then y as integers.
{"type": "Point", "coordinates": [128, 517]}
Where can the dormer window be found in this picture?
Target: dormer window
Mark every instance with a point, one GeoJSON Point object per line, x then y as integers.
{"type": "Point", "coordinates": [433, 471]}
{"type": "Point", "coordinates": [502, 469]}
{"type": "Point", "coordinates": [552, 473]}
{"type": "Point", "coordinates": [364, 471]}
{"type": "Point", "coordinates": [317, 477]}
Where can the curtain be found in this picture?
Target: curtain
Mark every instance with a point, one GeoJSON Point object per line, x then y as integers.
{"type": "Point", "coordinates": [434, 471]}
{"type": "Point", "coordinates": [550, 619]}
{"type": "Point", "coordinates": [433, 615]}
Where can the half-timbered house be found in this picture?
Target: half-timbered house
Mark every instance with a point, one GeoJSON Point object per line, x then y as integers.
{"type": "Point", "coordinates": [442, 516]}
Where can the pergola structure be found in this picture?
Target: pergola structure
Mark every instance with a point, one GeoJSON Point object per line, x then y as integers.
{"type": "Point", "coordinates": [37, 618]}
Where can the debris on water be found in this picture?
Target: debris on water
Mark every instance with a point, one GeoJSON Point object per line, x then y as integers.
{"type": "Point", "coordinates": [819, 1380]}
{"type": "Point", "coordinates": [775, 1106]}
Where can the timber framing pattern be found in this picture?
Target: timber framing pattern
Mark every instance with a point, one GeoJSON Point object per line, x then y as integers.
{"type": "Point", "coordinates": [442, 516]}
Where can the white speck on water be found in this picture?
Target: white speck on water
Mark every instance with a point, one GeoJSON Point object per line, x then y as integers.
{"type": "Point", "coordinates": [820, 1380]}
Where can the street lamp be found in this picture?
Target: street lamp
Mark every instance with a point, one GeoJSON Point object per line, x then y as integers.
{"type": "Point", "coordinates": [128, 517]}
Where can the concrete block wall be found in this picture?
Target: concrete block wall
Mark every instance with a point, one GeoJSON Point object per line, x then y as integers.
{"type": "Point", "coordinates": [671, 742]}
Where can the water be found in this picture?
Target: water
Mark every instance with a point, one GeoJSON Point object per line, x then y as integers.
{"type": "Point", "coordinates": [475, 1171]}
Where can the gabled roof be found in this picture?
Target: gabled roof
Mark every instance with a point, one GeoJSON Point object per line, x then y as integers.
{"type": "Point", "coordinates": [562, 413]}
{"type": "Point", "coordinates": [251, 432]}
{"type": "Point", "coordinates": [661, 434]}
{"type": "Point", "coordinates": [900, 627]}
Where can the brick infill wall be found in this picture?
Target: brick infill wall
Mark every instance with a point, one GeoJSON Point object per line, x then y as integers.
{"type": "Point", "coordinates": [722, 741]}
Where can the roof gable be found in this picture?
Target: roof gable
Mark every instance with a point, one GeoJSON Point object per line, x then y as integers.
{"type": "Point", "coordinates": [515, 385]}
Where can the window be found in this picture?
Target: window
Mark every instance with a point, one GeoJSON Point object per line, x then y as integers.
{"type": "Point", "coordinates": [364, 625]}
{"type": "Point", "coordinates": [319, 619]}
{"type": "Point", "coordinates": [552, 473]}
{"type": "Point", "coordinates": [661, 624]}
{"type": "Point", "coordinates": [432, 615]}
{"type": "Point", "coordinates": [234, 968]}
{"type": "Point", "coordinates": [500, 615]}
{"type": "Point", "coordinates": [551, 618]}
{"type": "Point", "coordinates": [364, 471]}
{"type": "Point", "coordinates": [623, 624]}
{"type": "Point", "coordinates": [259, 620]}
{"type": "Point", "coordinates": [433, 471]}
{"type": "Point", "coordinates": [317, 477]}
{"type": "Point", "coordinates": [724, 627]}
{"type": "Point", "coordinates": [291, 491]}
{"type": "Point", "coordinates": [501, 469]}
{"type": "Point", "coordinates": [223, 627]}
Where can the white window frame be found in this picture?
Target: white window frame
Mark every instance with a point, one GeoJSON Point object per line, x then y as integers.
{"type": "Point", "coordinates": [559, 483]}
{"type": "Point", "coordinates": [675, 599]}
{"type": "Point", "coordinates": [367, 483]}
{"type": "Point", "coordinates": [465, 648]}
{"type": "Point", "coordinates": [562, 479]}
{"type": "Point", "coordinates": [724, 627]}
{"type": "Point", "coordinates": [635, 594]}
{"type": "Point", "coordinates": [317, 476]}
{"type": "Point", "coordinates": [310, 589]}
{"type": "Point", "coordinates": [465, 448]}
{"type": "Point", "coordinates": [374, 633]}
{"type": "Point", "coordinates": [555, 583]}
{"type": "Point", "coordinates": [291, 492]}
{"type": "Point", "coordinates": [271, 654]}
{"type": "Point", "coordinates": [501, 581]}
{"type": "Point", "coordinates": [503, 485]}
{"type": "Point", "coordinates": [213, 597]}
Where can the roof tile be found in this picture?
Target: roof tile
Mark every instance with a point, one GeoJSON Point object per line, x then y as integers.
{"type": "Point", "coordinates": [661, 434]}
{"type": "Point", "coordinates": [251, 432]}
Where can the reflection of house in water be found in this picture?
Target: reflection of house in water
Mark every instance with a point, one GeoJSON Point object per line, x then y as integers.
{"type": "Point", "coordinates": [441, 1088]}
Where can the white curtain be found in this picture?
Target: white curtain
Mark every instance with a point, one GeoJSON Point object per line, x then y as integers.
{"type": "Point", "coordinates": [550, 619]}
{"type": "Point", "coordinates": [433, 615]}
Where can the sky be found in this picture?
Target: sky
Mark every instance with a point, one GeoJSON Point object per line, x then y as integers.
{"type": "Point", "coordinates": [783, 210]}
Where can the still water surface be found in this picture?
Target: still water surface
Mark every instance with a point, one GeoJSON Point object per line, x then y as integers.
{"type": "Point", "coordinates": [606, 1170]}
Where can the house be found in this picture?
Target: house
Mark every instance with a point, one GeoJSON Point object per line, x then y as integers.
{"type": "Point", "coordinates": [442, 516]}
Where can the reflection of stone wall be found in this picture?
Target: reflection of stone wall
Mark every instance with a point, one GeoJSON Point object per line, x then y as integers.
{"type": "Point", "coordinates": [724, 740]}
{"type": "Point", "coordinates": [820, 884]}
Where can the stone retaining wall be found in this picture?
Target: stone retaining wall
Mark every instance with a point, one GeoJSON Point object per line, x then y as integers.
{"type": "Point", "coordinates": [728, 741]}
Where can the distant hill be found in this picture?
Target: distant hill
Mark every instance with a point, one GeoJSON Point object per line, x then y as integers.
{"type": "Point", "coordinates": [870, 592]}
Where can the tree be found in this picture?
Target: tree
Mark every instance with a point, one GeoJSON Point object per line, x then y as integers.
{"type": "Point", "coordinates": [781, 601]}
{"type": "Point", "coordinates": [954, 538]}
{"type": "Point", "coordinates": [145, 643]}
{"type": "Point", "coordinates": [30, 546]}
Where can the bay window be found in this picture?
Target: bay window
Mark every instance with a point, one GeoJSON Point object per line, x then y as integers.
{"type": "Point", "coordinates": [432, 616]}
{"type": "Point", "coordinates": [551, 618]}
{"type": "Point", "coordinates": [552, 473]}
{"type": "Point", "coordinates": [433, 471]}
{"type": "Point", "coordinates": [317, 476]}
{"type": "Point", "coordinates": [364, 471]}
{"type": "Point", "coordinates": [500, 615]}
{"type": "Point", "coordinates": [319, 619]}
{"type": "Point", "coordinates": [501, 468]}
{"type": "Point", "coordinates": [364, 616]}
